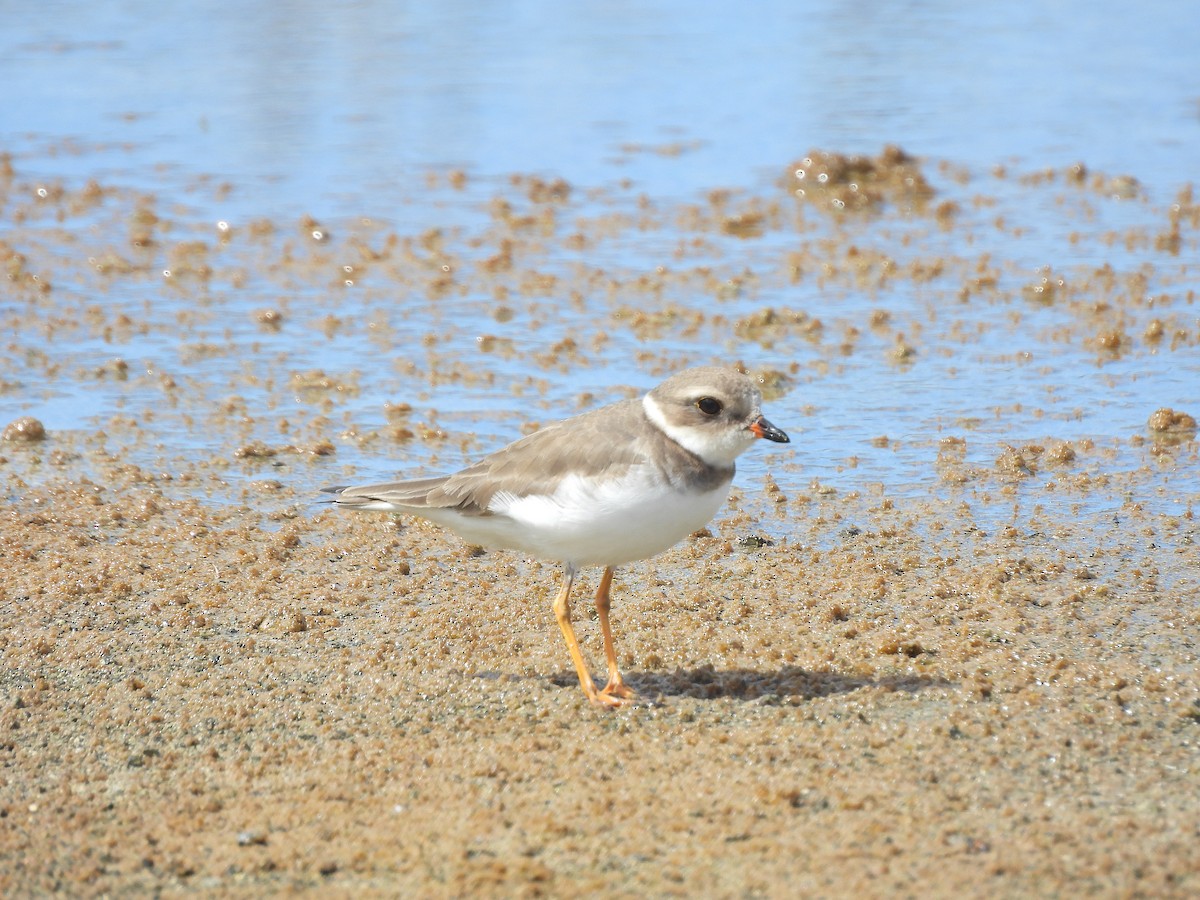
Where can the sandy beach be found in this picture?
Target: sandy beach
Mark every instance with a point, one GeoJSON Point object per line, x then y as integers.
{"type": "Point", "coordinates": [214, 685]}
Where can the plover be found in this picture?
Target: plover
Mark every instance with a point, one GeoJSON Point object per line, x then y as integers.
{"type": "Point", "coordinates": [618, 484]}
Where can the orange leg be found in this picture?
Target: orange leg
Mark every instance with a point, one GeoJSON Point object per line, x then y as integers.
{"type": "Point", "coordinates": [562, 612]}
{"type": "Point", "coordinates": [616, 686]}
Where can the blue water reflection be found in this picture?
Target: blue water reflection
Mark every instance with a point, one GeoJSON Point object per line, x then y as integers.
{"type": "Point", "coordinates": [329, 105]}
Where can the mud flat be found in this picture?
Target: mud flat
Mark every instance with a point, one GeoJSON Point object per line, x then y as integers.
{"type": "Point", "coordinates": [955, 659]}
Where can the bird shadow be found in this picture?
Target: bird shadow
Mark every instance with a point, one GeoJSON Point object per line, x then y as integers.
{"type": "Point", "coordinates": [793, 682]}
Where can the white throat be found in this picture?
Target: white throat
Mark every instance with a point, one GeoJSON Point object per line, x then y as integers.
{"type": "Point", "coordinates": [717, 446]}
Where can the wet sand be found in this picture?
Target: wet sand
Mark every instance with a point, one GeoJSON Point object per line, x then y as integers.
{"type": "Point", "coordinates": [213, 686]}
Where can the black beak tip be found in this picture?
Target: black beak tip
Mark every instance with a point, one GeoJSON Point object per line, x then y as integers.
{"type": "Point", "coordinates": [764, 429]}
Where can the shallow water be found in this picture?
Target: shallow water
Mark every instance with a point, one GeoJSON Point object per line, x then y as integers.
{"type": "Point", "coordinates": [391, 119]}
{"type": "Point", "coordinates": [332, 109]}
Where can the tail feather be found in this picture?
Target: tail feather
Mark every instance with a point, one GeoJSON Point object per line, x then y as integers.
{"type": "Point", "coordinates": [395, 496]}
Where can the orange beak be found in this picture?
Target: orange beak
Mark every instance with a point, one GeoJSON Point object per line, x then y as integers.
{"type": "Point", "coordinates": [760, 427]}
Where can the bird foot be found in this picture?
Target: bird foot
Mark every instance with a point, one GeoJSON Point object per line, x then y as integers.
{"type": "Point", "coordinates": [618, 688]}
{"type": "Point", "coordinates": [614, 694]}
{"type": "Point", "coordinates": [609, 701]}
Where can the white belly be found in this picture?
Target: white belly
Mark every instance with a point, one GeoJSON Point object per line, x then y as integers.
{"type": "Point", "coordinates": [590, 522]}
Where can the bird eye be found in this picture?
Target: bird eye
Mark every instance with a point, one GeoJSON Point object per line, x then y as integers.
{"type": "Point", "coordinates": [710, 406]}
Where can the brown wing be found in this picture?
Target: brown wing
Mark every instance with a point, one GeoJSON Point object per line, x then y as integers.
{"type": "Point", "coordinates": [604, 440]}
